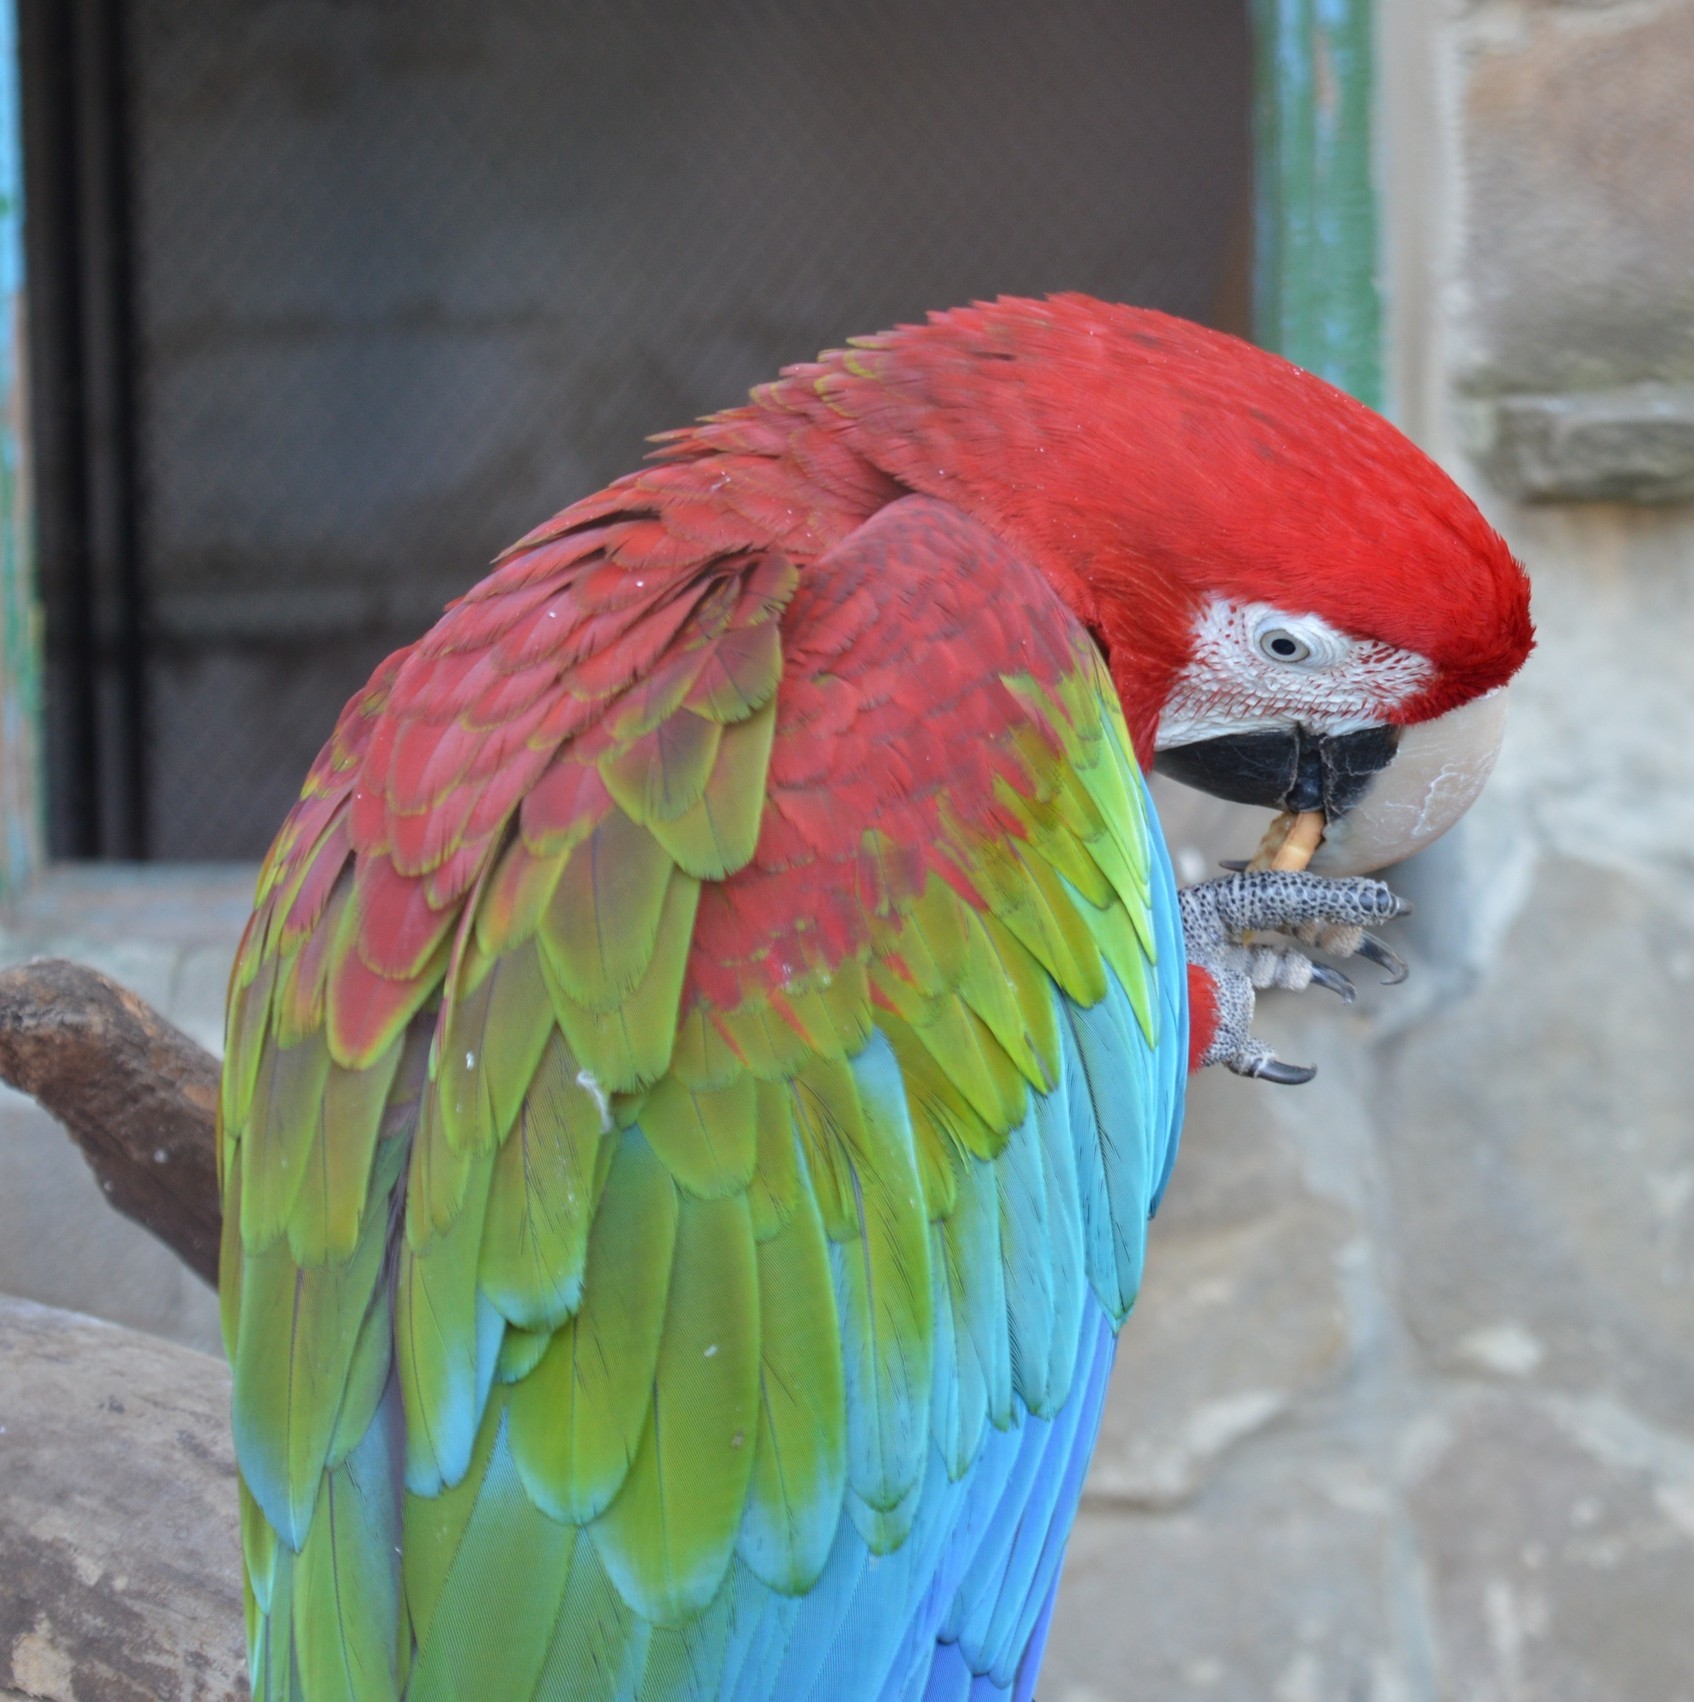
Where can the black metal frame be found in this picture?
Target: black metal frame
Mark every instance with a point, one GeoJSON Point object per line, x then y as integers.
{"type": "Point", "coordinates": [83, 399]}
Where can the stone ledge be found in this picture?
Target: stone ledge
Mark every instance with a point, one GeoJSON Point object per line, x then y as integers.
{"type": "Point", "coordinates": [176, 906]}
{"type": "Point", "coordinates": [1631, 444]}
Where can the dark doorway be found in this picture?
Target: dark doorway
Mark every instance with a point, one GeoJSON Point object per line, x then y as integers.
{"type": "Point", "coordinates": [352, 292]}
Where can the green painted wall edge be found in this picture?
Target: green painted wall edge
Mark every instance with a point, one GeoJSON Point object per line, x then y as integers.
{"type": "Point", "coordinates": [1316, 296]}
{"type": "Point", "coordinates": [20, 615]}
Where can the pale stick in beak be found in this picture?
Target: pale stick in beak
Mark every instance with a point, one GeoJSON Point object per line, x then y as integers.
{"type": "Point", "coordinates": [1289, 841]}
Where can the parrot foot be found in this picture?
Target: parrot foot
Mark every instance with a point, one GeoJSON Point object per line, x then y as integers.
{"type": "Point", "coordinates": [1223, 921]}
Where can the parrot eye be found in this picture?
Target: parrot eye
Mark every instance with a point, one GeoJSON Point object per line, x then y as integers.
{"type": "Point", "coordinates": [1280, 645]}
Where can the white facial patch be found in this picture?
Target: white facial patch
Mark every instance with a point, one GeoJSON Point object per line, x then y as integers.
{"type": "Point", "coordinates": [1256, 667]}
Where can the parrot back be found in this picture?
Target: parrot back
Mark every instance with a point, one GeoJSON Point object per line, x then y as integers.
{"type": "Point", "coordinates": [708, 1046]}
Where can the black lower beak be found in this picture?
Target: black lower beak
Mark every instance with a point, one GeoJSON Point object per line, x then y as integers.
{"type": "Point", "coordinates": [1291, 769]}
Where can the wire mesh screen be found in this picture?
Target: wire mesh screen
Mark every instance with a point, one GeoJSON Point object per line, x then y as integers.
{"type": "Point", "coordinates": [413, 274]}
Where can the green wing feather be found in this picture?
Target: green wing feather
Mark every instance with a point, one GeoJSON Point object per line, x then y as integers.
{"type": "Point", "coordinates": [706, 1137]}
{"type": "Point", "coordinates": [286, 1116]}
{"type": "Point", "coordinates": [297, 1331]}
{"type": "Point", "coordinates": [800, 1452]}
{"type": "Point", "coordinates": [577, 1419]}
{"type": "Point", "coordinates": [347, 1583]}
{"type": "Point", "coordinates": [502, 1549]}
{"type": "Point", "coordinates": [598, 1639]}
{"type": "Point", "coordinates": [667, 1538]}
{"type": "Point", "coordinates": [492, 1042]}
{"type": "Point", "coordinates": [542, 1194]}
{"type": "Point", "coordinates": [327, 1212]}
{"type": "Point", "coordinates": [446, 1337]}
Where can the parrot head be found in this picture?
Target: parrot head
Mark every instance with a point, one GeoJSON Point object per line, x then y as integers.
{"type": "Point", "coordinates": [1298, 607]}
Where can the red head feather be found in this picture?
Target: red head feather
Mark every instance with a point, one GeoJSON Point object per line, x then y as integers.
{"type": "Point", "coordinates": [1146, 463]}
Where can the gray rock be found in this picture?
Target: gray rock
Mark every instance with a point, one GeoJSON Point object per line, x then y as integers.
{"type": "Point", "coordinates": [1634, 444]}
{"type": "Point", "coordinates": [1576, 131]}
{"type": "Point", "coordinates": [1265, 1590]}
{"type": "Point", "coordinates": [1541, 1153]}
{"type": "Point", "coordinates": [1557, 1571]}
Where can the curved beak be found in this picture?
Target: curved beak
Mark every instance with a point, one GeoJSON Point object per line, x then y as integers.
{"type": "Point", "coordinates": [1435, 777]}
{"type": "Point", "coordinates": [1384, 791]}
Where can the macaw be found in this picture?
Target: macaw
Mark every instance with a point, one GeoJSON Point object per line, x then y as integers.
{"type": "Point", "coordinates": [714, 1028]}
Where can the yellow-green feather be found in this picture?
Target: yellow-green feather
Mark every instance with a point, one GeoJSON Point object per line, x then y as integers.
{"type": "Point", "coordinates": [800, 1453]}
{"type": "Point", "coordinates": [601, 924]}
{"type": "Point", "coordinates": [718, 830]}
{"type": "Point", "coordinates": [347, 1581]}
{"type": "Point", "coordinates": [707, 1138]}
{"type": "Point", "coordinates": [282, 1123]}
{"type": "Point", "coordinates": [491, 1044]}
{"type": "Point", "coordinates": [542, 1194]}
{"type": "Point", "coordinates": [577, 1418]}
{"type": "Point", "coordinates": [446, 1336]}
{"type": "Point", "coordinates": [628, 1045]}
{"type": "Point", "coordinates": [494, 1612]}
{"type": "Point", "coordinates": [324, 1222]}
{"type": "Point", "coordinates": [667, 1538]}
{"type": "Point", "coordinates": [662, 774]}
{"type": "Point", "coordinates": [295, 1344]}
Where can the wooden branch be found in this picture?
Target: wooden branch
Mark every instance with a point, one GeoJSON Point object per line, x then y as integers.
{"type": "Point", "coordinates": [131, 1089]}
{"type": "Point", "coordinates": [120, 1566]}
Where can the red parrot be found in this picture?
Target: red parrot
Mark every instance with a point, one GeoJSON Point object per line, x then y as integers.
{"type": "Point", "coordinates": [713, 1029]}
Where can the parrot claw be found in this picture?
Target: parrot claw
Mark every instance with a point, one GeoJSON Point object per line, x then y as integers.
{"type": "Point", "coordinates": [1284, 1075]}
{"type": "Point", "coordinates": [1254, 1058]}
{"type": "Point", "coordinates": [1335, 981]}
{"type": "Point", "coordinates": [1392, 965]}
{"type": "Point", "coordinates": [1225, 923]}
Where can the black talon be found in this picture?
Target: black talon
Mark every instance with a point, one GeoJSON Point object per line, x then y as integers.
{"type": "Point", "coordinates": [1235, 865]}
{"type": "Point", "coordinates": [1284, 1075]}
{"type": "Point", "coordinates": [1335, 981]}
{"type": "Point", "coordinates": [1392, 965]}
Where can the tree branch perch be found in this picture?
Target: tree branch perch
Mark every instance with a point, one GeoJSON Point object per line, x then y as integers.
{"type": "Point", "coordinates": [131, 1089]}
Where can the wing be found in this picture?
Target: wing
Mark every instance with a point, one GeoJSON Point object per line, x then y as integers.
{"type": "Point", "coordinates": [699, 1071]}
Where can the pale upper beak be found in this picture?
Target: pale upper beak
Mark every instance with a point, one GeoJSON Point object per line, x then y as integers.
{"type": "Point", "coordinates": [1385, 791]}
{"type": "Point", "coordinates": [1438, 769]}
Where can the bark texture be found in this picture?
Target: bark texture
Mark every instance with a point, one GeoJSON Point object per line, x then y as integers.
{"type": "Point", "coordinates": [120, 1566]}
{"type": "Point", "coordinates": [133, 1091]}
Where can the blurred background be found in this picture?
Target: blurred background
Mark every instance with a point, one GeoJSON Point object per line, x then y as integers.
{"type": "Point", "coordinates": [398, 281]}
{"type": "Point", "coordinates": [324, 302]}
